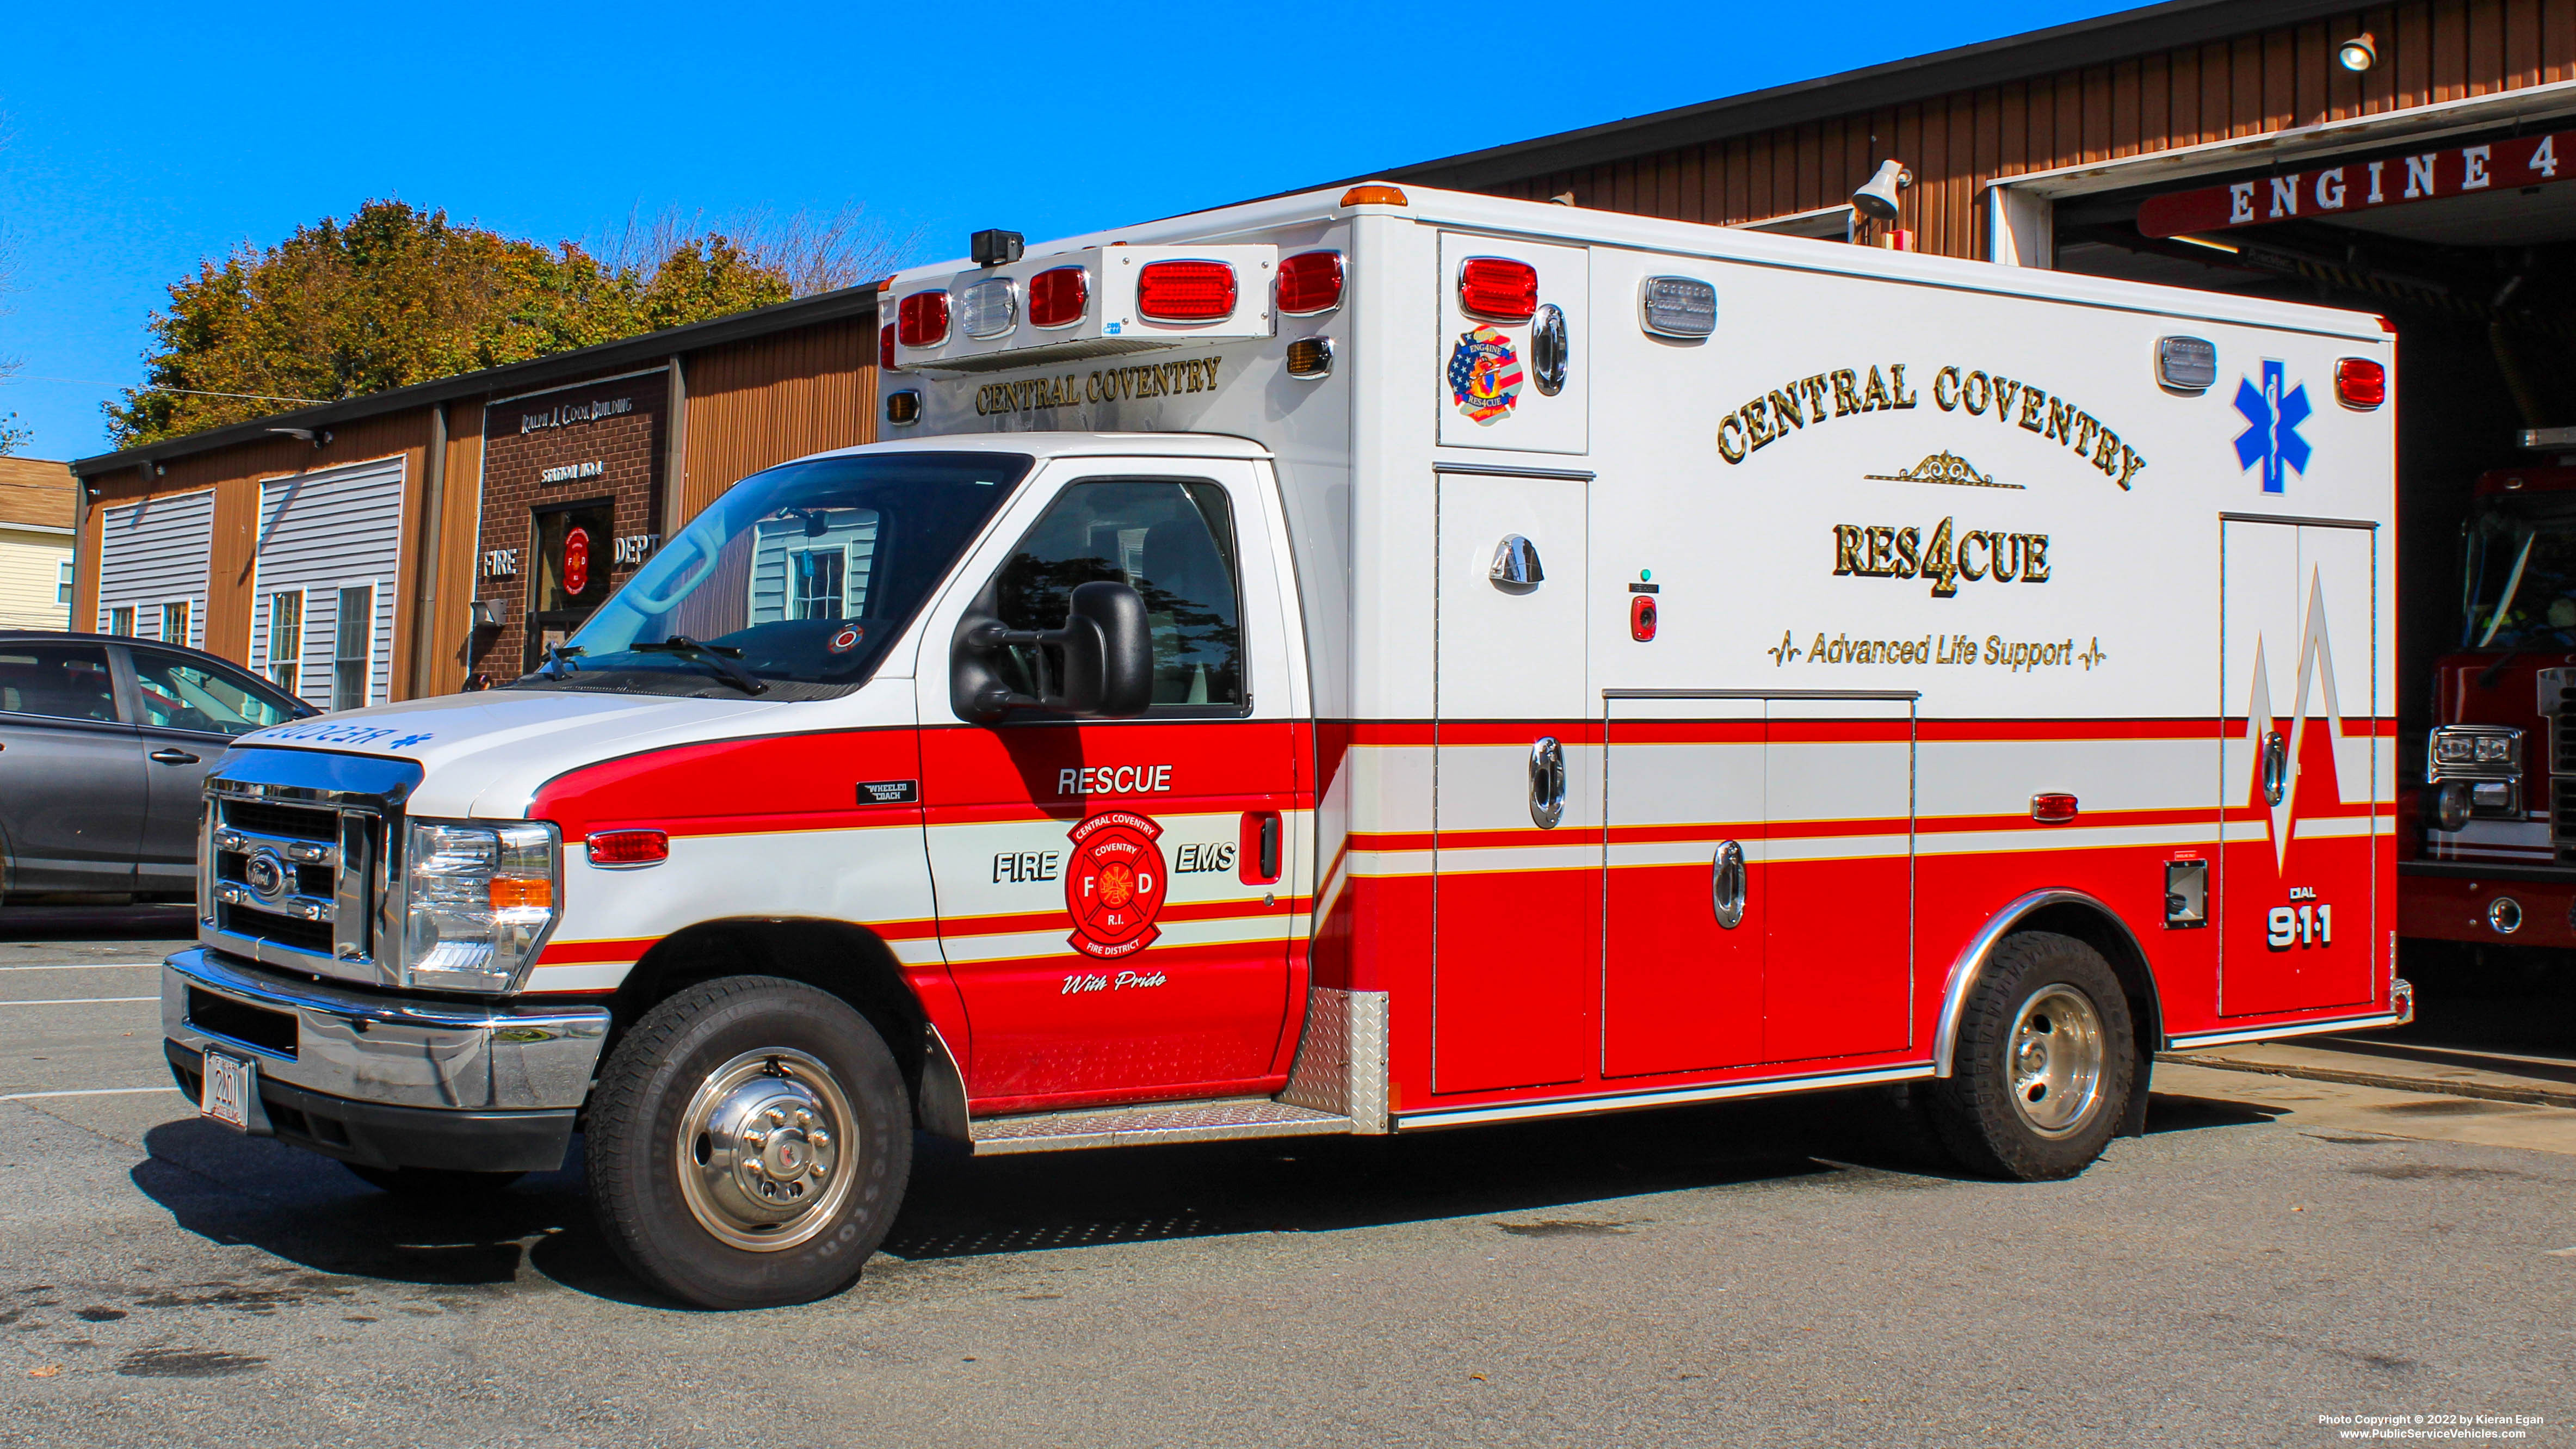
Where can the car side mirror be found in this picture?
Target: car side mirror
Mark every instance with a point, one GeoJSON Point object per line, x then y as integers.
{"type": "Point", "coordinates": [1106, 649]}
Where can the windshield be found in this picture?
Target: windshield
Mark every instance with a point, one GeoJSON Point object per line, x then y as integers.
{"type": "Point", "coordinates": [2519, 579]}
{"type": "Point", "coordinates": [793, 584]}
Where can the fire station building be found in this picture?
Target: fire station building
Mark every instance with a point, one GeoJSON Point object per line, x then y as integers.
{"type": "Point", "coordinates": [2403, 159]}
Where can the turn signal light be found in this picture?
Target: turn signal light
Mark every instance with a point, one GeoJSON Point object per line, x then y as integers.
{"type": "Point", "coordinates": [518, 893]}
{"type": "Point", "coordinates": [922, 319]}
{"type": "Point", "coordinates": [2052, 808]}
{"type": "Point", "coordinates": [1185, 291]}
{"type": "Point", "coordinates": [903, 407]}
{"type": "Point", "coordinates": [1498, 287]}
{"type": "Point", "coordinates": [1310, 282]}
{"type": "Point", "coordinates": [1057, 297]}
{"type": "Point", "coordinates": [614, 847]}
{"type": "Point", "coordinates": [2360, 383]}
{"type": "Point", "coordinates": [1310, 357]}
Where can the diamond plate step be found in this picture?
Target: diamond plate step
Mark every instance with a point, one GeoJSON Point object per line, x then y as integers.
{"type": "Point", "coordinates": [1160, 1122]}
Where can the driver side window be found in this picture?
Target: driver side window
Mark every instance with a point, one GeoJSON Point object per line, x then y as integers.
{"type": "Point", "coordinates": [1173, 542]}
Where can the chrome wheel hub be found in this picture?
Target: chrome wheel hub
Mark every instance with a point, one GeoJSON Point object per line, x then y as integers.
{"type": "Point", "coordinates": [2055, 1060]}
{"type": "Point", "coordinates": [760, 1150]}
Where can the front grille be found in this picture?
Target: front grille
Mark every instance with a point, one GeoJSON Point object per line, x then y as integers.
{"type": "Point", "coordinates": [314, 936]}
{"type": "Point", "coordinates": [289, 822]}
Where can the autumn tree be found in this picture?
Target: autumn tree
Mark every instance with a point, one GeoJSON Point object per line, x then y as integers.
{"type": "Point", "coordinates": [396, 295]}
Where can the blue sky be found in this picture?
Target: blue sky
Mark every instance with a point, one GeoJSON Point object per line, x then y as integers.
{"type": "Point", "coordinates": [140, 140]}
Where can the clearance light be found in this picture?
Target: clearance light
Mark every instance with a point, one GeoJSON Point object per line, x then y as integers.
{"type": "Point", "coordinates": [1185, 291]}
{"type": "Point", "coordinates": [1057, 297]}
{"type": "Point", "coordinates": [629, 847]}
{"type": "Point", "coordinates": [1499, 288]}
{"type": "Point", "coordinates": [1374, 196]}
{"type": "Point", "coordinates": [1310, 282]}
{"type": "Point", "coordinates": [2360, 384]}
{"type": "Point", "coordinates": [1310, 357]}
{"type": "Point", "coordinates": [903, 407]}
{"type": "Point", "coordinates": [989, 308]}
{"type": "Point", "coordinates": [1677, 307]}
{"type": "Point", "coordinates": [2052, 808]}
{"type": "Point", "coordinates": [922, 319]}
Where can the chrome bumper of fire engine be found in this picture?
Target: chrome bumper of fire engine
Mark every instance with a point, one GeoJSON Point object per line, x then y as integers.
{"type": "Point", "coordinates": [378, 1047]}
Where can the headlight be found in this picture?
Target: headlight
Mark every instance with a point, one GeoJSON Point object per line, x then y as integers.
{"type": "Point", "coordinates": [2451, 748]}
{"type": "Point", "coordinates": [2494, 749]}
{"type": "Point", "coordinates": [481, 900]}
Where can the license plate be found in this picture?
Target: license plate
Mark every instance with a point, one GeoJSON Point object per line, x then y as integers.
{"type": "Point", "coordinates": [229, 1083]}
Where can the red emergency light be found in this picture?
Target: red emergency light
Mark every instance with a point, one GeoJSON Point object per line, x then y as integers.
{"type": "Point", "coordinates": [922, 319]}
{"type": "Point", "coordinates": [629, 847]}
{"type": "Point", "coordinates": [1057, 296]}
{"type": "Point", "coordinates": [885, 347]}
{"type": "Point", "coordinates": [1185, 291]}
{"type": "Point", "coordinates": [1310, 282]}
{"type": "Point", "coordinates": [1498, 287]}
{"type": "Point", "coordinates": [2052, 807]}
{"type": "Point", "coordinates": [2360, 384]}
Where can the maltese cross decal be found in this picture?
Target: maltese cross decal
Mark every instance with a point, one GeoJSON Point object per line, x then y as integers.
{"type": "Point", "coordinates": [2272, 419]}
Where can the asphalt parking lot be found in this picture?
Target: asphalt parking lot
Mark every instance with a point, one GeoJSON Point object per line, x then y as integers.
{"type": "Point", "coordinates": [2273, 1252]}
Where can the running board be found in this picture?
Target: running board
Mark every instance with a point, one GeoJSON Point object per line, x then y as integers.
{"type": "Point", "coordinates": [1160, 1122]}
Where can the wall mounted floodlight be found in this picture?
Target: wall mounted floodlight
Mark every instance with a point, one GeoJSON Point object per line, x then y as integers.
{"type": "Point", "coordinates": [2357, 54]}
{"type": "Point", "coordinates": [316, 438]}
{"type": "Point", "coordinates": [1876, 198]}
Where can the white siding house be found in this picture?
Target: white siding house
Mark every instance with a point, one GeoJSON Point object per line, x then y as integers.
{"type": "Point", "coordinates": [152, 568]}
{"type": "Point", "coordinates": [322, 600]}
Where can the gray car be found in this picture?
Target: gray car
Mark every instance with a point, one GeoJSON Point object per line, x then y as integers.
{"type": "Point", "coordinates": [103, 741]}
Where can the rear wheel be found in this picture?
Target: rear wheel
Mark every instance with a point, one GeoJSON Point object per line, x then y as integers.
{"type": "Point", "coordinates": [2044, 1063]}
{"type": "Point", "coordinates": [749, 1144]}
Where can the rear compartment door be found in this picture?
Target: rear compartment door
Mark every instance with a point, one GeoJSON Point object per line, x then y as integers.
{"type": "Point", "coordinates": [2299, 767]}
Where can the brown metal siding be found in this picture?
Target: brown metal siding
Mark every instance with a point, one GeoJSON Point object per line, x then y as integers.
{"type": "Point", "coordinates": [762, 402]}
{"type": "Point", "coordinates": [2429, 51]}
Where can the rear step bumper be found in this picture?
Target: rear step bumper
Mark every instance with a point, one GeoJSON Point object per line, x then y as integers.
{"type": "Point", "coordinates": [1162, 1122]}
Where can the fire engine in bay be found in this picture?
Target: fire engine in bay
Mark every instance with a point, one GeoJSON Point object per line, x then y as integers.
{"type": "Point", "coordinates": [2495, 859]}
{"type": "Point", "coordinates": [1360, 662]}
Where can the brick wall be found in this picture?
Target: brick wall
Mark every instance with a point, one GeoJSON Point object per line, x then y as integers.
{"type": "Point", "coordinates": [618, 424]}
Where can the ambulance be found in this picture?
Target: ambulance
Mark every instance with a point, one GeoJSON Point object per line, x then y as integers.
{"type": "Point", "coordinates": [1369, 661]}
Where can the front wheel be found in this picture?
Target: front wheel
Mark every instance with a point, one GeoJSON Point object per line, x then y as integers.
{"type": "Point", "coordinates": [2044, 1062]}
{"type": "Point", "coordinates": [749, 1144]}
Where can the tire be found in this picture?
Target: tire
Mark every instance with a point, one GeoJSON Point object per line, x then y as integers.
{"type": "Point", "coordinates": [431, 1184]}
{"type": "Point", "coordinates": [2053, 1002]}
{"type": "Point", "coordinates": [749, 1144]}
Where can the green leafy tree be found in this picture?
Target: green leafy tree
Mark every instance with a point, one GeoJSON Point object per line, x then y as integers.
{"type": "Point", "coordinates": [396, 295]}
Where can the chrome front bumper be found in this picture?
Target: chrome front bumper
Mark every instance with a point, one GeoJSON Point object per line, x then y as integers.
{"type": "Point", "coordinates": [401, 1051]}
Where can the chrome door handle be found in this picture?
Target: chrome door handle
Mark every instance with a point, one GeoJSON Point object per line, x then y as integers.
{"type": "Point", "coordinates": [2276, 766]}
{"type": "Point", "coordinates": [174, 757]}
{"type": "Point", "coordinates": [1547, 783]}
{"type": "Point", "coordinates": [1726, 884]}
{"type": "Point", "coordinates": [1516, 564]}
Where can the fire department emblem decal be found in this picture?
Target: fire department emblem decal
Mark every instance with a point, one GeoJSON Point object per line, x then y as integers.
{"type": "Point", "coordinates": [1114, 884]}
{"type": "Point", "coordinates": [1484, 374]}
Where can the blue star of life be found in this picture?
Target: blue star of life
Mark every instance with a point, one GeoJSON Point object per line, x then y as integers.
{"type": "Point", "coordinates": [2272, 417]}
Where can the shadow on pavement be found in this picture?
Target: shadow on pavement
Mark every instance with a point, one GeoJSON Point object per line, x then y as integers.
{"type": "Point", "coordinates": [309, 1211]}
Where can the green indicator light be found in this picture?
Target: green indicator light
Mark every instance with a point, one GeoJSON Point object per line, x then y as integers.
{"type": "Point", "coordinates": [1645, 576]}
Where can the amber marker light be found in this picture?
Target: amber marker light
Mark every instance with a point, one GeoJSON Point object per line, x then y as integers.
{"type": "Point", "coordinates": [515, 893]}
{"type": "Point", "coordinates": [1375, 193]}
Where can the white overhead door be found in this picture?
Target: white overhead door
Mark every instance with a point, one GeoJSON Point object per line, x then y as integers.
{"type": "Point", "coordinates": [152, 568]}
{"type": "Point", "coordinates": [322, 611]}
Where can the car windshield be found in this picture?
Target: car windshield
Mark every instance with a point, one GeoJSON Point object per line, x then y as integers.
{"type": "Point", "coordinates": [793, 584]}
{"type": "Point", "coordinates": [2519, 580]}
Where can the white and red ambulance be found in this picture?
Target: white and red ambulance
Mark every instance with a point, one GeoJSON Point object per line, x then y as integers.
{"type": "Point", "coordinates": [1362, 662]}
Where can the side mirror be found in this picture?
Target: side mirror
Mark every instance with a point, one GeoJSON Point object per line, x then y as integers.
{"type": "Point", "coordinates": [1106, 650]}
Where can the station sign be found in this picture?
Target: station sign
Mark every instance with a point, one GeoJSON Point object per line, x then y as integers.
{"type": "Point", "coordinates": [2324, 193]}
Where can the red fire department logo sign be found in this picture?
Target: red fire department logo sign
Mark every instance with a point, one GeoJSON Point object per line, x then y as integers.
{"type": "Point", "coordinates": [1114, 884]}
{"type": "Point", "coordinates": [576, 566]}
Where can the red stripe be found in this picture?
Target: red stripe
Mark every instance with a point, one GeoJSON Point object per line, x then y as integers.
{"type": "Point", "coordinates": [1056, 920]}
